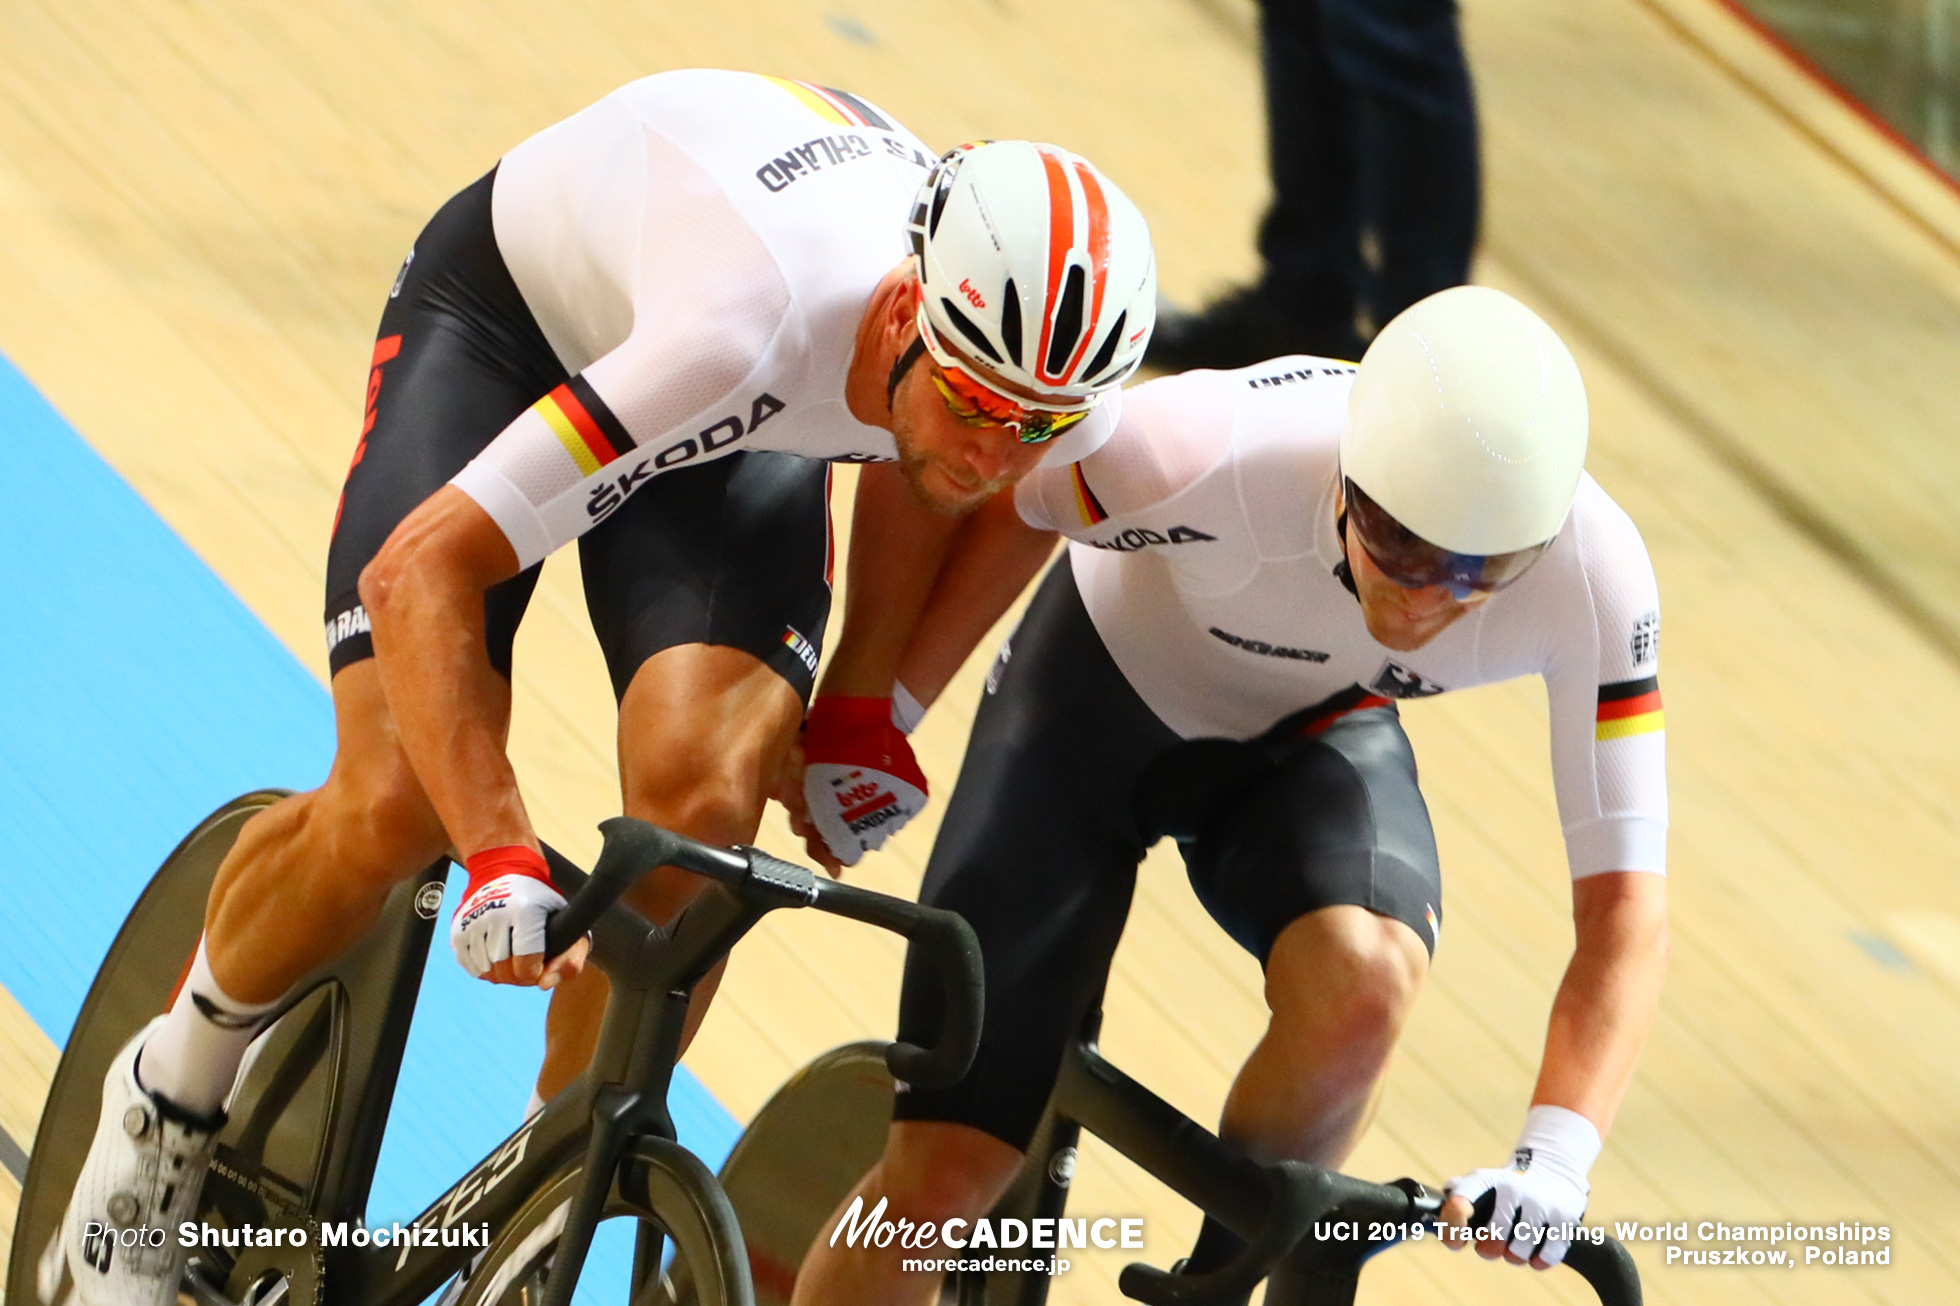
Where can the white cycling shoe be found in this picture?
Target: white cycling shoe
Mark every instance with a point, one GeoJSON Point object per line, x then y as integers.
{"type": "Point", "coordinates": [142, 1178]}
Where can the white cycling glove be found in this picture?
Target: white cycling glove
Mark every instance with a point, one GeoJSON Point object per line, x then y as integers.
{"type": "Point", "coordinates": [860, 780]}
{"type": "Point", "coordinates": [1542, 1193]}
{"type": "Point", "coordinates": [504, 908]}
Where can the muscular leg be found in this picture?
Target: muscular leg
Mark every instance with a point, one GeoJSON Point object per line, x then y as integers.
{"type": "Point", "coordinates": [1326, 871]}
{"type": "Point", "coordinates": [304, 881]}
{"type": "Point", "coordinates": [457, 357]}
{"type": "Point", "coordinates": [931, 1171]}
{"type": "Point", "coordinates": [307, 876]}
{"type": "Point", "coordinates": [1339, 981]}
{"type": "Point", "coordinates": [702, 729]}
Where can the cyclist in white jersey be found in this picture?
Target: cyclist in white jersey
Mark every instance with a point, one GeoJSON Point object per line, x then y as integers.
{"type": "Point", "coordinates": [650, 328]}
{"type": "Point", "coordinates": [1249, 587]}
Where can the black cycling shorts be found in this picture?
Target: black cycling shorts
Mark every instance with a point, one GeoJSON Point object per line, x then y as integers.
{"type": "Point", "coordinates": [1069, 778]}
{"type": "Point", "coordinates": [733, 552]}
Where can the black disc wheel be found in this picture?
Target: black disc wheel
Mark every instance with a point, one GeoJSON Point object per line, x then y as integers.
{"type": "Point", "coordinates": [306, 1117]}
{"type": "Point", "coordinates": [150, 954]}
{"type": "Point", "coordinates": [798, 1159]}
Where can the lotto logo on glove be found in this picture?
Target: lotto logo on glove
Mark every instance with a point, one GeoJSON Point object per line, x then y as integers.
{"type": "Point", "coordinates": [505, 907]}
{"type": "Point", "coordinates": [860, 779]}
{"type": "Point", "coordinates": [477, 905]}
{"type": "Point", "coordinates": [867, 801]}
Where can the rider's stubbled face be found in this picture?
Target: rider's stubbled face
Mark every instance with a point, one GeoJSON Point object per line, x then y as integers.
{"type": "Point", "coordinates": [951, 466]}
{"type": "Point", "coordinates": [1400, 618]}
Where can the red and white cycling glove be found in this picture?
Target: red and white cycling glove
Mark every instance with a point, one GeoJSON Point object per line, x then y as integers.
{"type": "Point", "coordinates": [504, 908]}
{"type": "Point", "coordinates": [860, 780]}
{"type": "Point", "coordinates": [1541, 1195]}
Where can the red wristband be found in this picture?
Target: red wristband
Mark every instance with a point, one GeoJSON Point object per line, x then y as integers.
{"type": "Point", "coordinates": [511, 859]}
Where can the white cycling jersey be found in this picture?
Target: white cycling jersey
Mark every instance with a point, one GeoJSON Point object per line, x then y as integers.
{"type": "Point", "coordinates": [1203, 538]}
{"type": "Point", "coordinates": [698, 248]}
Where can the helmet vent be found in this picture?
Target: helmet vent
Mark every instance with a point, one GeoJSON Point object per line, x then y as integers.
{"type": "Point", "coordinates": [940, 194]}
{"type": "Point", "coordinates": [1093, 372]}
{"type": "Point", "coordinates": [915, 230]}
{"type": "Point", "coordinates": [1010, 322]}
{"type": "Point", "coordinates": [966, 328]}
{"type": "Point", "coordinates": [1068, 321]}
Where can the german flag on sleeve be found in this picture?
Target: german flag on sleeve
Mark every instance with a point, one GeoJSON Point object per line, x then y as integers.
{"type": "Point", "coordinates": [1087, 506]}
{"type": "Point", "coordinates": [584, 425]}
{"type": "Point", "coordinates": [1631, 707]}
{"type": "Point", "coordinates": [832, 105]}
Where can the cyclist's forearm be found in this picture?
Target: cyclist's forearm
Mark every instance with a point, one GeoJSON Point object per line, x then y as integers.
{"type": "Point", "coordinates": [989, 565]}
{"type": "Point", "coordinates": [1612, 988]}
{"type": "Point", "coordinates": [451, 710]}
{"type": "Point", "coordinates": [897, 546]}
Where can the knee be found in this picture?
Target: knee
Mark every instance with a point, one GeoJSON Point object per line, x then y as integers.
{"type": "Point", "coordinates": [383, 827]}
{"type": "Point", "coordinates": [936, 1171]}
{"type": "Point", "coordinates": [381, 579]}
{"type": "Point", "coordinates": [666, 891]}
{"type": "Point", "coordinates": [1351, 978]}
{"type": "Point", "coordinates": [710, 794]}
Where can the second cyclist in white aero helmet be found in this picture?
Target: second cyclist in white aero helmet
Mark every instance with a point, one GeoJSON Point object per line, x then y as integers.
{"type": "Point", "coordinates": [1277, 555]}
{"type": "Point", "coordinates": [649, 327]}
{"type": "Point", "coordinates": [1465, 442]}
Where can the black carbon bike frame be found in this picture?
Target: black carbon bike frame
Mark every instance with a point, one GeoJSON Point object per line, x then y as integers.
{"type": "Point", "coordinates": [306, 1125]}
{"type": "Point", "coordinates": [1276, 1207]}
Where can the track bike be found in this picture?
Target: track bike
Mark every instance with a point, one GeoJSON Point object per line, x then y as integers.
{"type": "Point", "coordinates": [297, 1155]}
{"type": "Point", "coordinates": [1308, 1230]}
{"type": "Point", "coordinates": [1276, 1208]}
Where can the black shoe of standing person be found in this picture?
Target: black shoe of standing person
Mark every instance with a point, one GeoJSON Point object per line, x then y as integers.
{"type": "Point", "coordinates": [1247, 326]}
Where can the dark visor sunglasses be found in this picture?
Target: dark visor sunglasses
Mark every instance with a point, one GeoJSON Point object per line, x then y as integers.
{"type": "Point", "coordinates": [1414, 563]}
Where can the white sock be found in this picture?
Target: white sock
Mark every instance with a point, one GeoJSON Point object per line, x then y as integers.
{"type": "Point", "coordinates": [193, 1056]}
{"type": "Point", "coordinates": [535, 1105]}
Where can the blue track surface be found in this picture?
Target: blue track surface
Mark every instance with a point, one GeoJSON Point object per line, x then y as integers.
{"type": "Point", "coordinates": [137, 694]}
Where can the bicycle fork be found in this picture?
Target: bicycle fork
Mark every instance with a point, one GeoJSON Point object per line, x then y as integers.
{"type": "Point", "coordinates": [619, 1115]}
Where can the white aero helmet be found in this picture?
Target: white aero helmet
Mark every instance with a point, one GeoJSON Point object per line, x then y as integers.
{"type": "Point", "coordinates": [1467, 425]}
{"type": "Point", "coordinates": [1036, 274]}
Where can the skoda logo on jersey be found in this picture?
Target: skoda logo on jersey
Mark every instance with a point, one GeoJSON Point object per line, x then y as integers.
{"type": "Point", "coordinates": [608, 494]}
{"type": "Point", "coordinates": [1397, 681]}
{"type": "Point", "coordinates": [1142, 537]}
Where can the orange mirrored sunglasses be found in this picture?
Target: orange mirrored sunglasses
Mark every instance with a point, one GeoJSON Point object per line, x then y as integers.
{"type": "Point", "coordinates": [976, 405]}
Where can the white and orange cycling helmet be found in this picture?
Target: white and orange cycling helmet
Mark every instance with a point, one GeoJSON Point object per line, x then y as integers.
{"type": "Point", "coordinates": [1036, 275]}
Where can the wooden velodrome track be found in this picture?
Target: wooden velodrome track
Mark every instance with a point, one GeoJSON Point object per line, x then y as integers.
{"type": "Point", "coordinates": [202, 203]}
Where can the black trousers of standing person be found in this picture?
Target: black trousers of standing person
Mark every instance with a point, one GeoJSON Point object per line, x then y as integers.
{"type": "Point", "coordinates": [1372, 133]}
